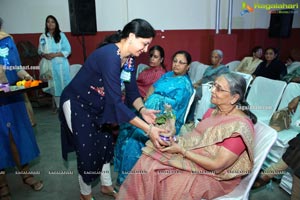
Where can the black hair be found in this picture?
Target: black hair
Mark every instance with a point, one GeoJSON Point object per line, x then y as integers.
{"type": "Point", "coordinates": [186, 54]}
{"type": "Point", "coordinates": [161, 52]}
{"type": "Point", "coordinates": [56, 34]}
{"type": "Point", "coordinates": [256, 48]}
{"type": "Point", "coordinates": [139, 27]}
{"type": "Point", "coordinates": [276, 52]}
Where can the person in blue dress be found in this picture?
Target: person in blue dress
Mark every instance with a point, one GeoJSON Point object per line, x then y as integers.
{"type": "Point", "coordinates": [173, 88]}
{"type": "Point", "coordinates": [214, 70]}
{"type": "Point", "coordinates": [18, 145]}
{"type": "Point", "coordinates": [54, 49]}
{"type": "Point", "coordinates": [92, 102]}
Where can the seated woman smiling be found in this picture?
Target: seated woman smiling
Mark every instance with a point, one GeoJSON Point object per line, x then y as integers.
{"type": "Point", "coordinates": [216, 154]}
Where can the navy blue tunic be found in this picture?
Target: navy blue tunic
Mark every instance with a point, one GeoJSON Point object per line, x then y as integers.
{"type": "Point", "coordinates": [96, 101]}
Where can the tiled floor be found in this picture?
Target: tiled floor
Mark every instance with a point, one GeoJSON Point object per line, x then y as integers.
{"type": "Point", "coordinates": [60, 177]}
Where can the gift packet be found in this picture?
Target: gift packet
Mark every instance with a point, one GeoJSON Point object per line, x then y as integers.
{"type": "Point", "coordinates": [167, 120]}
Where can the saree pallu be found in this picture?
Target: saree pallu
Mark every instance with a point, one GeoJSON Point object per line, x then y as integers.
{"type": "Point", "coordinates": [160, 175]}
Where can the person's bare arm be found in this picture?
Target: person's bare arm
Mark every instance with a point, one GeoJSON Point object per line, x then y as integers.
{"type": "Point", "coordinates": [223, 159]}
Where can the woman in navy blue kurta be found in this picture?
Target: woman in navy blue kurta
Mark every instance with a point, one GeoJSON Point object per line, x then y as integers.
{"type": "Point", "coordinates": [94, 100]}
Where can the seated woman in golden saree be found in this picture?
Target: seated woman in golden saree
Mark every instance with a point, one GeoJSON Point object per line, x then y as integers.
{"type": "Point", "coordinates": [206, 163]}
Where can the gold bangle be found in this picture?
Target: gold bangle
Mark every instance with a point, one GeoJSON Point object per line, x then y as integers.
{"type": "Point", "coordinates": [150, 128]}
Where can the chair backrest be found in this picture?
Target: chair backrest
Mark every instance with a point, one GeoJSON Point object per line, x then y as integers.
{"type": "Point", "coordinates": [247, 77]}
{"type": "Point", "coordinates": [196, 71]}
{"type": "Point", "coordinates": [74, 69]}
{"type": "Point", "coordinates": [204, 103]}
{"type": "Point", "coordinates": [291, 91]}
{"type": "Point", "coordinates": [189, 105]}
{"type": "Point", "coordinates": [264, 97]}
{"type": "Point", "coordinates": [293, 67]}
{"type": "Point", "coordinates": [233, 65]}
{"type": "Point", "coordinates": [141, 67]}
{"type": "Point", "coordinates": [264, 138]}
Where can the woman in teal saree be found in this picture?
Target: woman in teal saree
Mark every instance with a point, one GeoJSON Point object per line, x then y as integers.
{"type": "Point", "coordinates": [173, 88]}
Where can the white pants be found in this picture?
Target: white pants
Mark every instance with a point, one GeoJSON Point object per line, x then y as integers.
{"type": "Point", "coordinates": [86, 189]}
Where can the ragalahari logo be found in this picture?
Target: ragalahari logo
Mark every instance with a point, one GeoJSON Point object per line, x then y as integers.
{"type": "Point", "coordinates": [246, 9]}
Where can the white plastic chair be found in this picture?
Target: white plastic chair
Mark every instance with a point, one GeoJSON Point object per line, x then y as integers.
{"type": "Point", "coordinates": [292, 90]}
{"type": "Point", "coordinates": [74, 69]}
{"type": "Point", "coordinates": [264, 97]}
{"type": "Point", "coordinates": [189, 105]}
{"type": "Point", "coordinates": [204, 103]}
{"type": "Point", "coordinates": [233, 65]}
{"type": "Point", "coordinates": [264, 138]}
{"type": "Point", "coordinates": [196, 71]}
{"type": "Point", "coordinates": [141, 67]}
{"type": "Point", "coordinates": [293, 67]}
{"type": "Point", "coordinates": [247, 77]}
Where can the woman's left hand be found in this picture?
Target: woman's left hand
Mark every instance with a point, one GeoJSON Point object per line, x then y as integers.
{"type": "Point", "coordinates": [149, 115]}
{"type": "Point", "coordinates": [173, 147]}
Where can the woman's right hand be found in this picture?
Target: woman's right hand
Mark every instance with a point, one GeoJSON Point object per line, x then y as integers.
{"type": "Point", "coordinates": [155, 139]}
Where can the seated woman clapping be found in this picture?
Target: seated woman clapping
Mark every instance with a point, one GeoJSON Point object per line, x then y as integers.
{"type": "Point", "coordinates": [173, 88]}
{"type": "Point", "coordinates": [206, 163]}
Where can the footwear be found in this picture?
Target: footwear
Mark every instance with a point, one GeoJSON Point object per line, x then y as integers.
{"type": "Point", "coordinates": [32, 182]}
{"type": "Point", "coordinates": [260, 182]}
{"type": "Point", "coordinates": [113, 193]}
{"type": "Point", "coordinates": [83, 198]}
{"type": "Point", "coordinates": [4, 192]}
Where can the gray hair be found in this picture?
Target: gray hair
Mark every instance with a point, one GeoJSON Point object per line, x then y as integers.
{"type": "Point", "coordinates": [219, 52]}
{"type": "Point", "coordinates": [237, 85]}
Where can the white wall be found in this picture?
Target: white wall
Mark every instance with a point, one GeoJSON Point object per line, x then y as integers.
{"type": "Point", "coordinates": [28, 16]}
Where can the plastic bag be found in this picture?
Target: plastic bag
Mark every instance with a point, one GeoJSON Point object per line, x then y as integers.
{"type": "Point", "coordinates": [167, 121]}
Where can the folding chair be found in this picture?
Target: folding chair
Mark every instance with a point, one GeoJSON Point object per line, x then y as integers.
{"type": "Point", "coordinates": [264, 97]}
{"type": "Point", "coordinates": [141, 67]}
{"type": "Point", "coordinates": [233, 65]}
{"type": "Point", "coordinates": [196, 71]}
{"type": "Point", "coordinates": [189, 105]}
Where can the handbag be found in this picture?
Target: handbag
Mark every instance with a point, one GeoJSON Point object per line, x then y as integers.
{"type": "Point", "coordinates": [281, 120]}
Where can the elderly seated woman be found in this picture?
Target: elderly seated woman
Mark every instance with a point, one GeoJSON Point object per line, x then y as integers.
{"type": "Point", "coordinates": [208, 162]}
{"type": "Point", "coordinates": [173, 88]}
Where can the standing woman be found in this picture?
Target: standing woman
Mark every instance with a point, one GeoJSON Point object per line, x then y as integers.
{"type": "Point", "coordinates": [54, 48]}
{"type": "Point", "coordinates": [18, 146]}
{"type": "Point", "coordinates": [93, 100]}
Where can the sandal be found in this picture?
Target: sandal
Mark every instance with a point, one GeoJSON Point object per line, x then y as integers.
{"type": "Point", "coordinates": [33, 183]}
{"type": "Point", "coordinates": [82, 198]}
{"type": "Point", "coordinates": [113, 193]}
{"type": "Point", "coordinates": [4, 192]}
{"type": "Point", "coordinates": [259, 182]}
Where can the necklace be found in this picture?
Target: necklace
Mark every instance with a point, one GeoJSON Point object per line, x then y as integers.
{"type": "Point", "coordinates": [225, 112]}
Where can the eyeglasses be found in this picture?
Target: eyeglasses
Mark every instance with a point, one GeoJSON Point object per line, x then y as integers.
{"type": "Point", "coordinates": [217, 87]}
{"type": "Point", "coordinates": [180, 62]}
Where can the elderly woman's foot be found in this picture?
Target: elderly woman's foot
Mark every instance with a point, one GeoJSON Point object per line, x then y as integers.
{"type": "Point", "coordinates": [109, 190]}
